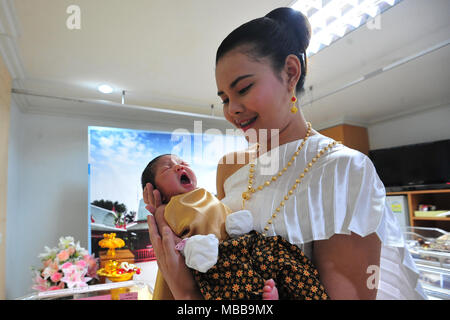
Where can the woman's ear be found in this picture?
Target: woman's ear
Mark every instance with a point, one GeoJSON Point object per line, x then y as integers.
{"type": "Point", "coordinates": [293, 70]}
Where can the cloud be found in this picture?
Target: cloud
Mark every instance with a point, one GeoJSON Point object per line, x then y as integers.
{"type": "Point", "coordinates": [105, 142]}
{"type": "Point", "coordinates": [128, 141]}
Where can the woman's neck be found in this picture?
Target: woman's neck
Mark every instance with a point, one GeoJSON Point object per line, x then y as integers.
{"type": "Point", "coordinates": [296, 129]}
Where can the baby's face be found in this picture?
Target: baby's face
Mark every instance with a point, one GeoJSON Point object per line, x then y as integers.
{"type": "Point", "coordinates": [173, 176]}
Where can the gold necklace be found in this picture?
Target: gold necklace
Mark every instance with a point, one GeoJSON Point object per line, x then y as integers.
{"type": "Point", "coordinates": [250, 190]}
{"type": "Point", "coordinates": [246, 195]}
{"type": "Point", "coordinates": [297, 182]}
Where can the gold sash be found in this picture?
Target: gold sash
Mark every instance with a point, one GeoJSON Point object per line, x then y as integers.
{"type": "Point", "coordinates": [188, 214]}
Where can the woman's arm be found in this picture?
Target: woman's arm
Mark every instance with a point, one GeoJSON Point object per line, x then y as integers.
{"type": "Point", "coordinates": [228, 165]}
{"type": "Point", "coordinates": [220, 179]}
{"type": "Point", "coordinates": [345, 263]}
{"type": "Point", "coordinates": [170, 262]}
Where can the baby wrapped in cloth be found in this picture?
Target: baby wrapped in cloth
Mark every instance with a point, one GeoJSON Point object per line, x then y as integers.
{"type": "Point", "coordinates": [228, 259]}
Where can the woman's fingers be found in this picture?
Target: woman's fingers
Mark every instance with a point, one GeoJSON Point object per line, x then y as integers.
{"type": "Point", "coordinates": [145, 195]}
{"type": "Point", "coordinates": [150, 209]}
{"type": "Point", "coordinates": [168, 243]}
{"type": "Point", "coordinates": [156, 198]}
{"type": "Point", "coordinates": [152, 198]}
{"type": "Point", "coordinates": [180, 279]}
{"type": "Point", "coordinates": [156, 241]}
{"type": "Point", "coordinates": [155, 238]}
{"type": "Point", "coordinates": [149, 198]}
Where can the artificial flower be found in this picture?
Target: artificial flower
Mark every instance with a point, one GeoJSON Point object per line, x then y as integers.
{"type": "Point", "coordinates": [40, 284]}
{"type": "Point", "coordinates": [48, 254]}
{"type": "Point", "coordinates": [74, 276]}
{"type": "Point", "coordinates": [47, 262]}
{"type": "Point", "coordinates": [67, 266]}
{"type": "Point", "coordinates": [63, 255]}
{"type": "Point", "coordinates": [92, 264]}
{"type": "Point", "coordinates": [51, 269]}
{"type": "Point", "coordinates": [58, 287]}
{"type": "Point", "coordinates": [71, 251]}
{"type": "Point", "coordinates": [81, 264]}
{"type": "Point", "coordinates": [80, 251]}
{"type": "Point", "coordinates": [65, 242]}
{"type": "Point", "coordinates": [56, 277]}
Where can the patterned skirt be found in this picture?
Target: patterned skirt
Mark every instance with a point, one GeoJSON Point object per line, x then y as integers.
{"type": "Point", "coordinates": [246, 262]}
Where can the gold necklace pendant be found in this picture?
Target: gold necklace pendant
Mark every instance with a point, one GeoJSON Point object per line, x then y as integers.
{"type": "Point", "coordinates": [246, 195]}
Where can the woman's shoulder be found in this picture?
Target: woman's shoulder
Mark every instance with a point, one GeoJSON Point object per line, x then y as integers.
{"type": "Point", "coordinates": [229, 164]}
{"type": "Point", "coordinates": [339, 153]}
{"type": "Point", "coordinates": [345, 166]}
{"type": "Point", "coordinates": [239, 157]}
{"type": "Point", "coordinates": [340, 161]}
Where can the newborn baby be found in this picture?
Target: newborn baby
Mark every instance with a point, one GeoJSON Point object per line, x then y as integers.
{"type": "Point", "coordinates": [229, 260]}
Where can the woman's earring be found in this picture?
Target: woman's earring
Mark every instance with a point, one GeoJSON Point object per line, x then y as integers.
{"type": "Point", "coordinates": [294, 109]}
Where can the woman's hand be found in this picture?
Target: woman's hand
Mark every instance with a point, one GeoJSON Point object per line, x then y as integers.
{"type": "Point", "coordinates": [170, 262]}
{"type": "Point", "coordinates": [152, 198]}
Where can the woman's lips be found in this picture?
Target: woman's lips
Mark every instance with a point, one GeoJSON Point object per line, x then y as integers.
{"type": "Point", "coordinates": [246, 124]}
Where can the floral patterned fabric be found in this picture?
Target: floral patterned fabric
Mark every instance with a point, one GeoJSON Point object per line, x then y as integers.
{"type": "Point", "coordinates": [246, 262]}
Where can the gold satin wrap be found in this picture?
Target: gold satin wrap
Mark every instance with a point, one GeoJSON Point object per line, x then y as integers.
{"type": "Point", "coordinates": [188, 214]}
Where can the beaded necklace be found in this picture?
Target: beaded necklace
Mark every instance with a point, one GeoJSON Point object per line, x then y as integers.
{"type": "Point", "coordinates": [246, 195]}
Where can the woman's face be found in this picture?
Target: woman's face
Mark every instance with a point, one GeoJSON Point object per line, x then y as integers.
{"type": "Point", "coordinates": [173, 176]}
{"type": "Point", "coordinates": [253, 96]}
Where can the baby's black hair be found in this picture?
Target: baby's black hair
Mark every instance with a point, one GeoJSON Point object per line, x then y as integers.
{"type": "Point", "coordinates": [148, 175]}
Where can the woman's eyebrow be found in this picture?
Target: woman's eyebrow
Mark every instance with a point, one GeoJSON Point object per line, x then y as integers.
{"type": "Point", "coordinates": [234, 83]}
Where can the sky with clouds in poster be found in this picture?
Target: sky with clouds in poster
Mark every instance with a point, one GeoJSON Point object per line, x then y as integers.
{"type": "Point", "coordinates": [117, 158]}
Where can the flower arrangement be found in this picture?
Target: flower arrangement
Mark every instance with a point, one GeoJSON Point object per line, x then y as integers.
{"type": "Point", "coordinates": [66, 266]}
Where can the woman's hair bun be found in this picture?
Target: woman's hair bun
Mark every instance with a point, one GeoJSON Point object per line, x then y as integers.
{"type": "Point", "coordinates": [295, 22]}
{"type": "Point", "coordinates": [281, 32]}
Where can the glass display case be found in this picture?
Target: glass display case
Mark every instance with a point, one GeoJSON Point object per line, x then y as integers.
{"type": "Point", "coordinates": [126, 290]}
{"type": "Point", "coordinates": [430, 249]}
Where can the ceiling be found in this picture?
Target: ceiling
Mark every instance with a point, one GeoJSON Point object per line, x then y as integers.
{"type": "Point", "coordinates": [162, 54]}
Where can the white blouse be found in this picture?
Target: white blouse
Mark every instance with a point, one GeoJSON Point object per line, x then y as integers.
{"type": "Point", "coordinates": [340, 194]}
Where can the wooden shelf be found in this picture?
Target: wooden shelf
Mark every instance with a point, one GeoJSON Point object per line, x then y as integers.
{"type": "Point", "coordinates": [354, 137]}
{"type": "Point", "coordinates": [419, 192]}
{"type": "Point", "coordinates": [432, 218]}
{"type": "Point", "coordinates": [439, 197]}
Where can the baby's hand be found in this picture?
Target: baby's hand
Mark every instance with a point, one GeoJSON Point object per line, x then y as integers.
{"type": "Point", "coordinates": [201, 252]}
{"type": "Point", "coordinates": [239, 223]}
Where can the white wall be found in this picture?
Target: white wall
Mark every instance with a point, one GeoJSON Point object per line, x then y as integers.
{"type": "Point", "coordinates": [48, 185]}
{"type": "Point", "coordinates": [16, 240]}
{"type": "Point", "coordinates": [425, 126]}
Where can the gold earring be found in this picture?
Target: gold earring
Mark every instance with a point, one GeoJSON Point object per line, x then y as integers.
{"type": "Point", "coordinates": [294, 109]}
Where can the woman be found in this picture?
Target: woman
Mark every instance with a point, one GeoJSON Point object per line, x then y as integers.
{"type": "Point", "coordinates": [325, 198]}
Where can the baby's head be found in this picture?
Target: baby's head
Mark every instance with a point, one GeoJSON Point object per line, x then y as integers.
{"type": "Point", "coordinates": [170, 175]}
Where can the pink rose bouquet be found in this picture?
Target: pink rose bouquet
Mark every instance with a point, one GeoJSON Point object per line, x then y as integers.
{"type": "Point", "coordinates": [66, 266]}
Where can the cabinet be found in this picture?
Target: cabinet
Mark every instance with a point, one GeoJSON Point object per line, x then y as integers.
{"type": "Point", "coordinates": [424, 239]}
{"type": "Point", "coordinates": [439, 198]}
{"type": "Point", "coordinates": [354, 137]}
{"type": "Point", "coordinates": [429, 247]}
